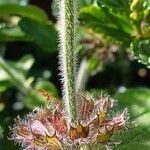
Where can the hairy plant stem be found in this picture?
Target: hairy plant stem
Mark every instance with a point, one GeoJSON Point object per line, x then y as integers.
{"type": "Point", "coordinates": [67, 32]}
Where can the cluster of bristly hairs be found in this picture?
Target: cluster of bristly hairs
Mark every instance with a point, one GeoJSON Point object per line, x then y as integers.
{"type": "Point", "coordinates": [48, 128]}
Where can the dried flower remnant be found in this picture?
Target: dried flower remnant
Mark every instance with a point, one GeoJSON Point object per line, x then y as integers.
{"type": "Point", "coordinates": [48, 129]}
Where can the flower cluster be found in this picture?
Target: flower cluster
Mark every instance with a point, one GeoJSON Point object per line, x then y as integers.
{"type": "Point", "coordinates": [48, 129]}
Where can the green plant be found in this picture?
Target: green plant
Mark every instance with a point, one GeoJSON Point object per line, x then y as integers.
{"type": "Point", "coordinates": [111, 35]}
{"type": "Point", "coordinates": [79, 120]}
{"type": "Point", "coordinates": [68, 25]}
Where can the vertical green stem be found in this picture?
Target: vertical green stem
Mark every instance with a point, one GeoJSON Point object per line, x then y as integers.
{"type": "Point", "coordinates": [67, 30]}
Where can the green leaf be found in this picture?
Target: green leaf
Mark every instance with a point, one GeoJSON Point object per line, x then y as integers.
{"type": "Point", "coordinates": [45, 36]}
{"type": "Point", "coordinates": [19, 69]}
{"type": "Point", "coordinates": [146, 4]}
{"type": "Point", "coordinates": [138, 103]}
{"type": "Point", "coordinates": [135, 139]}
{"type": "Point", "coordinates": [9, 1]}
{"type": "Point", "coordinates": [84, 3]}
{"type": "Point", "coordinates": [29, 11]}
{"type": "Point", "coordinates": [119, 4]}
{"type": "Point", "coordinates": [140, 49]}
{"type": "Point", "coordinates": [94, 64]}
{"type": "Point", "coordinates": [106, 22]}
{"type": "Point", "coordinates": [33, 99]}
{"type": "Point", "coordinates": [137, 100]}
{"type": "Point", "coordinates": [24, 64]}
{"type": "Point", "coordinates": [135, 146]}
{"type": "Point", "coordinates": [13, 34]}
{"type": "Point", "coordinates": [4, 81]}
{"type": "Point", "coordinates": [1, 131]}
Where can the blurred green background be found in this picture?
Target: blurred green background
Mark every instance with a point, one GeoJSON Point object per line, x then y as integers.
{"type": "Point", "coordinates": [113, 49]}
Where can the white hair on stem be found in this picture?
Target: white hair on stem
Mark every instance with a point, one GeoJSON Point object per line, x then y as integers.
{"type": "Point", "coordinates": [67, 25]}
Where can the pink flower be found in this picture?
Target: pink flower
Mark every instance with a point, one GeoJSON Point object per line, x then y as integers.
{"type": "Point", "coordinates": [119, 121]}
{"type": "Point", "coordinates": [48, 129]}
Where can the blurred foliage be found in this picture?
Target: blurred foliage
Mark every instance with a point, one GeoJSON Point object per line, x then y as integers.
{"type": "Point", "coordinates": [137, 100]}
{"type": "Point", "coordinates": [41, 34]}
{"type": "Point", "coordinates": [122, 24]}
{"type": "Point", "coordinates": [31, 12]}
{"type": "Point", "coordinates": [124, 21]}
{"type": "Point", "coordinates": [113, 35]}
{"type": "Point", "coordinates": [18, 22]}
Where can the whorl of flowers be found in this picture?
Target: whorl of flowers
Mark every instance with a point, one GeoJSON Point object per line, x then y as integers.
{"type": "Point", "coordinates": [48, 128]}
